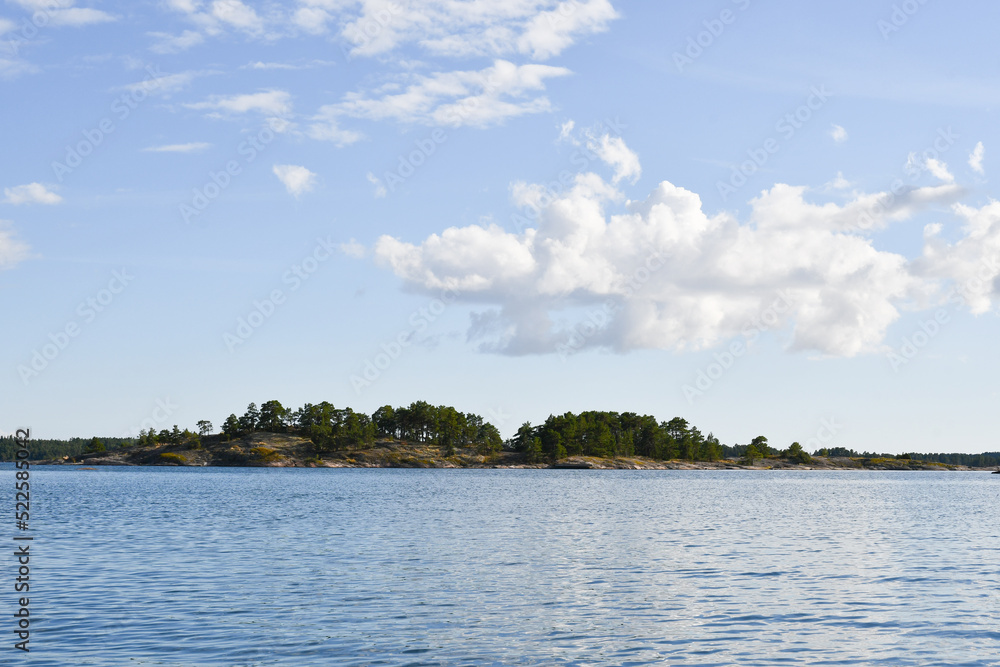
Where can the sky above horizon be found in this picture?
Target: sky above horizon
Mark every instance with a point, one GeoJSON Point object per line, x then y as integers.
{"type": "Point", "coordinates": [766, 218]}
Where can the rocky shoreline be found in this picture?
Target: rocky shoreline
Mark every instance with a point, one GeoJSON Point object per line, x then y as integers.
{"type": "Point", "coordinates": [283, 450]}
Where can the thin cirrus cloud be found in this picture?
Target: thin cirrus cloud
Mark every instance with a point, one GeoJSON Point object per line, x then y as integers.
{"type": "Point", "coordinates": [271, 102]}
{"type": "Point", "coordinates": [380, 189]}
{"type": "Point", "coordinates": [261, 65]}
{"type": "Point", "coordinates": [64, 13]}
{"type": "Point", "coordinates": [193, 147]}
{"type": "Point", "coordinates": [530, 29]}
{"type": "Point", "coordinates": [32, 193]}
{"type": "Point", "coordinates": [164, 84]}
{"type": "Point", "coordinates": [297, 179]}
{"type": "Point", "coordinates": [664, 274]}
{"type": "Point", "coordinates": [10, 69]}
{"type": "Point", "coordinates": [477, 98]}
{"type": "Point", "coordinates": [167, 43]}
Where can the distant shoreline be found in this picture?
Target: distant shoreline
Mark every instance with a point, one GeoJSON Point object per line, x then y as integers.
{"type": "Point", "coordinates": [279, 450]}
{"type": "Point", "coordinates": [669, 465]}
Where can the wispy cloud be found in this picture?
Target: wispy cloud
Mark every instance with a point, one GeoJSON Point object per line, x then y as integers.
{"type": "Point", "coordinates": [272, 102]}
{"type": "Point", "coordinates": [12, 251]}
{"type": "Point", "coordinates": [165, 84]}
{"type": "Point", "coordinates": [32, 193]}
{"type": "Point", "coordinates": [976, 158]}
{"type": "Point", "coordinates": [237, 15]}
{"type": "Point", "coordinates": [193, 147]}
{"type": "Point", "coordinates": [353, 249]}
{"type": "Point", "coordinates": [613, 151]}
{"type": "Point", "coordinates": [939, 170]}
{"type": "Point", "coordinates": [326, 127]}
{"type": "Point", "coordinates": [532, 28]}
{"type": "Point", "coordinates": [64, 13]}
{"type": "Point", "coordinates": [10, 68]}
{"type": "Point", "coordinates": [475, 98]}
{"type": "Point", "coordinates": [380, 190]}
{"type": "Point", "coordinates": [167, 43]}
{"type": "Point", "coordinates": [838, 133]}
{"type": "Point", "coordinates": [260, 65]}
{"type": "Point", "coordinates": [536, 29]}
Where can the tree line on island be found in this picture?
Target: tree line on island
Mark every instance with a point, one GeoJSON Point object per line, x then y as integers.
{"type": "Point", "coordinates": [592, 433]}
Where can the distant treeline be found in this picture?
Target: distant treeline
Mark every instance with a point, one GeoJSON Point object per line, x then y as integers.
{"type": "Point", "coordinates": [592, 433]}
{"type": "Point", "coordinates": [50, 449]}
{"type": "Point", "coordinates": [984, 460]}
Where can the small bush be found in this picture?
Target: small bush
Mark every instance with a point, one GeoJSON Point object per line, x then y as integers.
{"type": "Point", "coordinates": [796, 454]}
{"type": "Point", "coordinates": [265, 455]}
{"type": "Point", "coordinates": [171, 457]}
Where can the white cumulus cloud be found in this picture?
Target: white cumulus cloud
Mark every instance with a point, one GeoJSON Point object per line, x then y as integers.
{"type": "Point", "coordinates": [664, 274]}
{"type": "Point", "coordinates": [838, 133]}
{"type": "Point", "coordinates": [297, 180]}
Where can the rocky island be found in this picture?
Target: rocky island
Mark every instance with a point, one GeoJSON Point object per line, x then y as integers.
{"type": "Point", "coordinates": [422, 435]}
{"type": "Point", "coordinates": [263, 449]}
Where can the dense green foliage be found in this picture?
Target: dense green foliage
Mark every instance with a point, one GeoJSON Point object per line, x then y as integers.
{"type": "Point", "coordinates": [332, 428]}
{"type": "Point", "coordinates": [610, 434]}
{"type": "Point", "coordinates": [175, 436]}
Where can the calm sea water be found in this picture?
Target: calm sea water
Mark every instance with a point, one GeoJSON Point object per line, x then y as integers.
{"type": "Point", "coordinates": [201, 566]}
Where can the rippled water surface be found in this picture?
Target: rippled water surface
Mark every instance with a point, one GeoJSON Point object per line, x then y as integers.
{"type": "Point", "coordinates": [187, 566]}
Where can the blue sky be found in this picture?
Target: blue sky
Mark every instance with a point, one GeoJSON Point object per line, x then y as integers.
{"type": "Point", "coordinates": [767, 218]}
